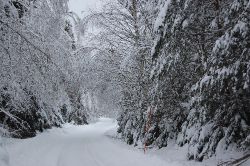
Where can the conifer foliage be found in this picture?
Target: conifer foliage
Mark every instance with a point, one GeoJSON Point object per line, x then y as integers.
{"type": "Point", "coordinates": [193, 72]}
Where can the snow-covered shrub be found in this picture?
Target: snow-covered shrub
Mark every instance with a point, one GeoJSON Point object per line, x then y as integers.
{"type": "Point", "coordinates": [36, 45]}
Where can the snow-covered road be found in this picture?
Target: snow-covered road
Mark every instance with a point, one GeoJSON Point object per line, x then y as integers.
{"type": "Point", "coordinates": [78, 146]}
{"type": "Point", "coordinates": [88, 145]}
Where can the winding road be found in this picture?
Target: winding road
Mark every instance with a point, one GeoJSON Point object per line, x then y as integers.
{"type": "Point", "coordinates": [71, 145]}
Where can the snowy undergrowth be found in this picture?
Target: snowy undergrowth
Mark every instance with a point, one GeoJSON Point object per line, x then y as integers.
{"type": "Point", "coordinates": [175, 154]}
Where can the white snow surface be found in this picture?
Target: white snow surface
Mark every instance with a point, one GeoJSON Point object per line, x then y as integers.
{"type": "Point", "coordinates": [88, 145]}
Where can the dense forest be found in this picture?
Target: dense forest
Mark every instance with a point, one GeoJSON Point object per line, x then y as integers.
{"type": "Point", "coordinates": [183, 72]}
{"type": "Point", "coordinates": [39, 86]}
{"type": "Point", "coordinates": [170, 70]}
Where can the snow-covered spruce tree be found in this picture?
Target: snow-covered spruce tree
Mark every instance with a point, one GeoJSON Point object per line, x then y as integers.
{"type": "Point", "coordinates": [203, 29]}
{"type": "Point", "coordinates": [219, 116]}
{"type": "Point", "coordinates": [183, 42]}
